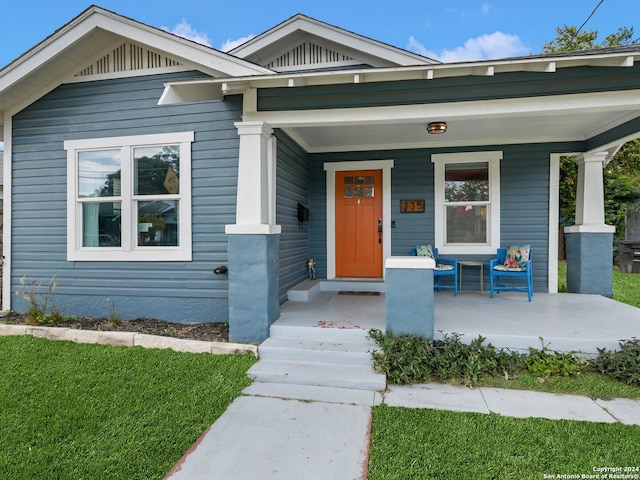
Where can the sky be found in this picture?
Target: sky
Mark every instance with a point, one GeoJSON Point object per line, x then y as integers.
{"type": "Point", "coordinates": [456, 30]}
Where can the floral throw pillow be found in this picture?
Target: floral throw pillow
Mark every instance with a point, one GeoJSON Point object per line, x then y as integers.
{"type": "Point", "coordinates": [517, 256]}
{"type": "Point", "coordinates": [424, 251]}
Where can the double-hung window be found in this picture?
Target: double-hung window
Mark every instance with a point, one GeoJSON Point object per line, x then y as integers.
{"type": "Point", "coordinates": [467, 202]}
{"type": "Point", "coordinates": [129, 198]}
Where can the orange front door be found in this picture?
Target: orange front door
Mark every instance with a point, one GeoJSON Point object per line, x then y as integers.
{"type": "Point", "coordinates": [359, 223]}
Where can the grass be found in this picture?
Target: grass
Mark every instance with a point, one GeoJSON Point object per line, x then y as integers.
{"type": "Point", "coordinates": [92, 411]}
{"type": "Point", "coordinates": [423, 444]}
{"type": "Point", "coordinates": [626, 286]}
{"type": "Point", "coordinates": [594, 385]}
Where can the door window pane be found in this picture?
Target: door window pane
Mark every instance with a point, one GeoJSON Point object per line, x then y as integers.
{"type": "Point", "coordinates": [158, 223]}
{"type": "Point", "coordinates": [157, 170]}
{"type": "Point", "coordinates": [99, 173]}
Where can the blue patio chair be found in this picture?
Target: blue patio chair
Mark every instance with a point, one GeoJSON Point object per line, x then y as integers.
{"type": "Point", "coordinates": [445, 267]}
{"type": "Point", "coordinates": [512, 262]}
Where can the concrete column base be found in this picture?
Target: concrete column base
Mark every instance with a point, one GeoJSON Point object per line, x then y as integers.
{"type": "Point", "coordinates": [409, 298]}
{"type": "Point", "coordinates": [253, 286]}
{"type": "Point", "coordinates": [589, 263]}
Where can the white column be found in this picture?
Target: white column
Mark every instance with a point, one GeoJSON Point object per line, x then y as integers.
{"type": "Point", "coordinates": [590, 194]}
{"type": "Point", "coordinates": [255, 209]}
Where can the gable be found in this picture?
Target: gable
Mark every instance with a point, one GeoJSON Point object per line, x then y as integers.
{"type": "Point", "coordinates": [311, 54]}
{"type": "Point", "coordinates": [128, 57]}
{"type": "Point", "coordinates": [304, 43]}
{"type": "Point", "coordinates": [77, 49]}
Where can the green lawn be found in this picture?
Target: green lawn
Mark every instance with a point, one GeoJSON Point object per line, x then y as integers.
{"type": "Point", "coordinates": [74, 411]}
{"type": "Point", "coordinates": [626, 286]}
{"type": "Point", "coordinates": [424, 444]}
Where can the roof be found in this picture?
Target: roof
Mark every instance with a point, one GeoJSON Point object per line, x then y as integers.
{"type": "Point", "coordinates": [354, 49]}
{"type": "Point", "coordinates": [61, 55]}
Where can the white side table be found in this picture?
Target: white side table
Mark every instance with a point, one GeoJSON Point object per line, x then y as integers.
{"type": "Point", "coordinates": [471, 263]}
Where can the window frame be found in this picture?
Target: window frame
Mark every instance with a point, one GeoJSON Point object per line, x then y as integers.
{"type": "Point", "coordinates": [129, 251]}
{"type": "Point", "coordinates": [440, 161]}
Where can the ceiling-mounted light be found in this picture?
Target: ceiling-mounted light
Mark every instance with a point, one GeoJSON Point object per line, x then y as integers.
{"type": "Point", "coordinates": [437, 127]}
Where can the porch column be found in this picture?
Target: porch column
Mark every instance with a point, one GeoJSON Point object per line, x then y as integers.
{"type": "Point", "coordinates": [254, 239]}
{"type": "Point", "coordinates": [589, 243]}
{"type": "Point", "coordinates": [409, 298]}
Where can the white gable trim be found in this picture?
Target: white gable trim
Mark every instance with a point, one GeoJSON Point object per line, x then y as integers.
{"type": "Point", "coordinates": [56, 59]}
{"type": "Point", "coordinates": [387, 55]}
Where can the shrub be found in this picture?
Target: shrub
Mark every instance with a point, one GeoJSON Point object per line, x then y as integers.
{"type": "Point", "coordinates": [623, 364]}
{"type": "Point", "coordinates": [544, 363]}
{"type": "Point", "coordinates": [412, 359]}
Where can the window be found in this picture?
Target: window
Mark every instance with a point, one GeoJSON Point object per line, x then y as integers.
{"type": "Point", "coordinates": [129, 198]}
{"type": "Point", "coordinates": [467, 200]}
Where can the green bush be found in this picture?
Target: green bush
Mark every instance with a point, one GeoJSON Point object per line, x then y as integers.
{"type": "Point", "coordinates": [623, 364]}
{"type": "Point", "coordinates": [543, 363]}
{"type": "Point", "coordinates": [412, 359]}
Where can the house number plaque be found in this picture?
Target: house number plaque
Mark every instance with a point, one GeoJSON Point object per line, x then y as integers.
{"type": "Point", "coordinates": [412, 206]}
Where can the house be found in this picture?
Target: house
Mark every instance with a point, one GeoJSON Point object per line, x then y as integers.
{"type": "Point", "coordinates": [136, 163]}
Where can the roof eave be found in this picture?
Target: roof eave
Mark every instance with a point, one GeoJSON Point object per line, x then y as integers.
{"type": "Point", "coordinates": [176, 92]}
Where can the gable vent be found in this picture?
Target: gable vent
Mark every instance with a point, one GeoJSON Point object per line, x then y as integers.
{"type": "Point", "coordinates": [308, 54]}
{"type": "Point", "coordinates": [126, 58]}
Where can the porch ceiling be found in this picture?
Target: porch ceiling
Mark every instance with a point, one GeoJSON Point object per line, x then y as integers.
{"type": "Point", "coordinates": [471, 125]}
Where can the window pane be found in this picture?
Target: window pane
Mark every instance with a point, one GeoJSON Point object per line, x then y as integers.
{"type": "Point", "coordinates": [101, 224]}
{"type": "Point", "coordinates": [157, 170]}
{"type": "Point", "coordinates": [467, 224]}
{"type": "Point", "coordinates": [158, 223]}
{"type": "Point", "coordinates": [466, 182]}
{"type": "Point", "coordinates": [99, 173]}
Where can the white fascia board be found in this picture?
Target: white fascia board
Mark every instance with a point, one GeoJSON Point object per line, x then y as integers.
{"type": "Point", "coordinates": [627, 100]}
{"type": "Point", "coordinates": [429, 72]}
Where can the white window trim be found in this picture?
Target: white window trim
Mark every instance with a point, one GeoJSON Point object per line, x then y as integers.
{"type": "Point", "coordinates": [128, 251]}
{"type": "Point", "coordinates": [493, 212]}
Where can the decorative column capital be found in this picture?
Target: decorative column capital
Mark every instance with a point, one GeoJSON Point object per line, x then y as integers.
{"type": "Point", "coordinates": [254, 128]}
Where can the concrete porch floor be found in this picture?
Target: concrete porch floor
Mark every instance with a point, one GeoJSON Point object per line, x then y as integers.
{"type": "Point", "coordinates": [565, 322]}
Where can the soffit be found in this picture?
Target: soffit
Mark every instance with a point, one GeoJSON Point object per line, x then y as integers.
{"type": "Point", "coordinates": [469, 124]}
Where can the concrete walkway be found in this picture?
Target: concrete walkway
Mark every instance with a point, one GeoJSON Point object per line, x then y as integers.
{"type": "Point", "coordinates": [284, 431]}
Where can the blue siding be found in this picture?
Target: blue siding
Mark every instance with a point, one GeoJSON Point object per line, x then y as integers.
{"type": "Point", "coordinates": [452, 89]}
{"type": "Point", "coordinates": [176, 291]}
{"type": "Point", "coordinates": [524, 201]}
{"type": "Point", "coordinates": [292, 187]}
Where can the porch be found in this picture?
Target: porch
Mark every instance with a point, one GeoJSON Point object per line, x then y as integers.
{"type": "Point", "coordinates": [564, 321]}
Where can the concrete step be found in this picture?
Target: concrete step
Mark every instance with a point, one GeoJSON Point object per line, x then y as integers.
{"type": "Point", "coordinates": [359, 377]}
{"type": "Point", "coordinates": [320, 333]}
{"type": "Point", "coordinates": [322, 351]}
{"type": "Point", "coordinates": [308, 289]}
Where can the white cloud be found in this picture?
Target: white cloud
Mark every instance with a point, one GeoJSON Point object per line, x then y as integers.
{"type": "Point", "coordinates": [185, 30]}
{"type": "Point", "coordinates": [484, 47]}
{"type": "Point", "coordinates": [231, 44]}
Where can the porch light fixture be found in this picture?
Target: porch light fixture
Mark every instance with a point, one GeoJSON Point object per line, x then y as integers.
{"type": "Point", "coordinates": [437, 128]}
